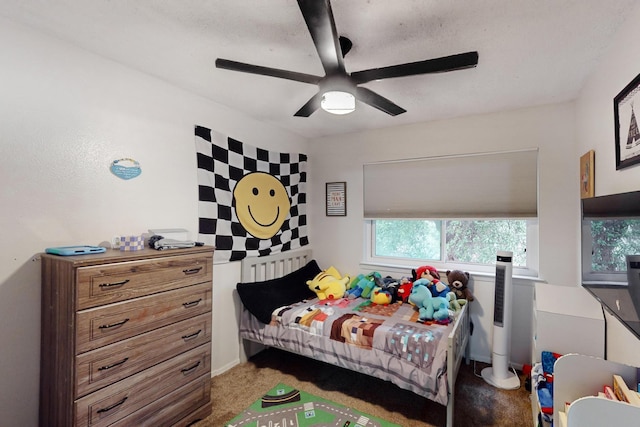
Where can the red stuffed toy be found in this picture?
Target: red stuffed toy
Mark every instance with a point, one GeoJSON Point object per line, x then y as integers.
{"type": "Point", "coordinates": [426, 272]}
{"type": "Point", "coordinates": [430, 273]}
{"type": "Point", "coordinates": [404, 290]}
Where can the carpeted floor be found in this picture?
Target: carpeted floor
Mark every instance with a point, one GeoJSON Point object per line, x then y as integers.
{"type": "Point", "coordinates": [477, 403]}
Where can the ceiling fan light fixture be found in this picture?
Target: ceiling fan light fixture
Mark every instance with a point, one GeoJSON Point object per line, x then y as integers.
{"type": "Point", "coordinates": [338, 102]}
{"type": "Point", "coordinates": [337, 88]}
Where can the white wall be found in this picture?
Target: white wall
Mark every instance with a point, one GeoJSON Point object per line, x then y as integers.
{"type": "Point", "coordinates": [595, 131]}
{"type": "Point", "coordinates": [65, 115]}
{"type": "Point", "coordinates": [338, 240]}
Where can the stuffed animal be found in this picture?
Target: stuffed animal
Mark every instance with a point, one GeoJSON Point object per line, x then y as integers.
{"type": "Point", "coordinates": [404, 288]}
{"type": "Point", "coordinates": [429, 307]}
{"type": "Point", "coordinates": [363, 287]}
{"type": "Point", "coordinates": [425, 271]}
{"type": "Point", "coordinates": [455, 303]}
{"type": "Point", "coordinates": [354, 282]}
{"type": "Point", "coordinates": [328, 284]}
{"type": "Point", "coordinates": [458, 281]}
{"type": "Point", "coordinates": [381, 296]}
{"type": "Point", "coordinates": [437, 288]}
{"type": "Point", "coordinates": [390, 286]}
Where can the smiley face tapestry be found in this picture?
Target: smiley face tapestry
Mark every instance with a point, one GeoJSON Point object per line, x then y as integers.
{"type": "Point", "coordinates": [251, 202]}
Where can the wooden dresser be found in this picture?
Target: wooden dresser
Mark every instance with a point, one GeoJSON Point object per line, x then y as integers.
{"type": "Point", "coordinates": [126, 338]}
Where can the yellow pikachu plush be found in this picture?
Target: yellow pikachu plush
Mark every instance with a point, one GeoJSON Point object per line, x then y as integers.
{"type": "Point", "coordinates": [328, 284]}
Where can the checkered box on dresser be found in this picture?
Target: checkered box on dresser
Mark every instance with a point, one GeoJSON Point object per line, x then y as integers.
{"type": "Point", "coordinates": [131, 243]}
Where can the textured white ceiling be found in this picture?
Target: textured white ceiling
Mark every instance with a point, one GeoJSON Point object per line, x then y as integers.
{"type": "Point", "coordinates": [532, 52]}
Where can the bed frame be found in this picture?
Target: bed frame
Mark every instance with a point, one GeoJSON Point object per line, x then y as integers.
{"type": "Point", "coordinates": [277, 265]}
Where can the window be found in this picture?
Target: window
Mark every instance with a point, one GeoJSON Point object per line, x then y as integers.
{"type": "Point", "coordinates": [613, 240]}
{"type": "Point", "coordinates": [453, 211]}
{"type": "Point", "coordinates": [610, 231]}
{"type": "Point", "coordinates": [610, 240]}
{"type": "Point", "coordinates": [464, 244]}
{"type": "Point", "coordinates": [397, 239]}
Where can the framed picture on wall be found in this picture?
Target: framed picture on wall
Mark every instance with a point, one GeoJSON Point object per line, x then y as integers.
{"type": "Point", "coordinates": [336, 199]}
{"type": "Point", "coordinates": [626, 125]}
{"type": "Point", "coordinates": [587, 174]}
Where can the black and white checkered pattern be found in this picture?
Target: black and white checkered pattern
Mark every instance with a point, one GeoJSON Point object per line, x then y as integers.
{"type": "Point", "coordinates": [222, 162]}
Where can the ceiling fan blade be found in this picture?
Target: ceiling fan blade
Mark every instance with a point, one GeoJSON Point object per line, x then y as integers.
{"type": "Point", "coordinates": [377, 101]}
{"type": "Point", "coordinates": [266, 71]}
{"type": "Point", "coordinates": [319, 19]}
{"type": "Point", "coordinates": [436, 65]}
{"type": "Point", "coordinates": [310, 107]}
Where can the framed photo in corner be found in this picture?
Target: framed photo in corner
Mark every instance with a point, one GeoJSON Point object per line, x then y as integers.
{"type": "Point", "coordinates": [336, 199]}
{"type": "Point", "coordinates": [587, 174]}
{"type": "Point", "coordinates": [626, 125]}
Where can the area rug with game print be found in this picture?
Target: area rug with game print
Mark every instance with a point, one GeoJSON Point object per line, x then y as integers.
{"type": "Point", "coordinates": [285, 406]}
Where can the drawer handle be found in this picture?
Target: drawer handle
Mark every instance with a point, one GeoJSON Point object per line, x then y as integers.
{"type": "Point", "coordinates": [114, 325]}
{"type": "Point", "coordinates": [191, 303]}
{"type": "Point", "coordinates": [110, 285]}
{"type": "Point", "coordinates": [190, 368]}
{"type": "Point", "coordinates": [193, 335]}
{"type": "Point", "coordinates": [192, 270]}
{"type": "Point", "coordinates": [113, 365]}
{"type": "Point", "coordinates": [115, 405]}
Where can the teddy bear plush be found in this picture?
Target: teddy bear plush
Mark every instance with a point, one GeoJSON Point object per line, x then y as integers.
{"type": "Point", "coordinates": [458, 281]}
{"type": "Point", "coordinates": [328, 284]}
{"type": "Point", "coordinates": [429, 307]}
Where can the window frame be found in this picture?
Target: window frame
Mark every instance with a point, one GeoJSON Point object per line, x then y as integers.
{"type": "Point", "coordinates": [590, 277]}
{"type": "Point", "coordinates": [531, 269]}
{"type": "Point", "coordinates": [619, 206]}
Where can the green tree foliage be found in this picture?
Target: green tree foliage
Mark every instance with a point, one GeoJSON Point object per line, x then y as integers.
{"type": "Point", "coordinates": [612, 240]}
{"type": "Point", "coordinates": [466, 241]}
{"type": "Point", "coordinates": [479, 241]}
{"type": "Point", "coordinates": [419, 239]}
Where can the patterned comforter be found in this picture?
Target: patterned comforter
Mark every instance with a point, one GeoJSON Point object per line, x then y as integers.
{"type": "Point", "coordinates": [387, 342]}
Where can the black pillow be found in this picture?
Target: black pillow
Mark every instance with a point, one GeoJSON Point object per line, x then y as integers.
{"type": "Point", "coordinates": [261, 298]}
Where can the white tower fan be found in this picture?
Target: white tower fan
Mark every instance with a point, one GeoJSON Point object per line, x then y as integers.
{"type": "Point", "coordinates": [499, 375]}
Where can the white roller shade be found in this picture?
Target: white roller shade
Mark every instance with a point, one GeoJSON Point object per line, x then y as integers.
{"type": "Point", "coordinates": [493, 185]}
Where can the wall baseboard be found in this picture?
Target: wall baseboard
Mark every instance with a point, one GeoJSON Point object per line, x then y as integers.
{"type": "Point", "coordinates": [225, 368]}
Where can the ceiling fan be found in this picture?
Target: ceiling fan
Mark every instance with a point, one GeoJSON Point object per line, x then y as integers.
{"type": "Point", "coordinates": [339, 89]}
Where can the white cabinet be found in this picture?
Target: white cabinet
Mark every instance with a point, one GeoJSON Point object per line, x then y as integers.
{"type": "Point", "coordinates": [566, 320]}
{"type": "Point", "coordinates": [578, 379]}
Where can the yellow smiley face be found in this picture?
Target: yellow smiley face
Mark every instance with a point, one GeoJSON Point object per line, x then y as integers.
{"type": "Point", "coordinates": [262, 204]}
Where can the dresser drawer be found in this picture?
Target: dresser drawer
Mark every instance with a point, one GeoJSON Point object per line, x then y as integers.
{"type": "Point", "coordinates": [105, 325]}
{"type": "Point", "coordinates": [98, 368]}
{"type": "Point", "coordinates": [184, 406]}
{"type": "Point", "coordinates": [112, 403]}
{"type": "Point", "coordinates": [105, 284]}
{"type": "Point", "coordinates": [199, 414]}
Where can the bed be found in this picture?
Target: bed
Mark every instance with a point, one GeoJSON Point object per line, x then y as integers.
{"type": "Point", "coordinates": [385, 342]}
